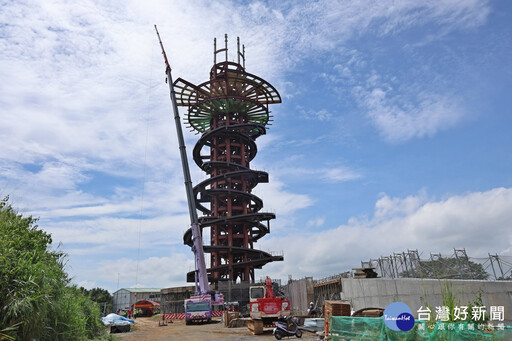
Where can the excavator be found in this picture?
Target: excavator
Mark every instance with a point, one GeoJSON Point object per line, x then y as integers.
{"type": "Point", "coordinates": [267, 303]}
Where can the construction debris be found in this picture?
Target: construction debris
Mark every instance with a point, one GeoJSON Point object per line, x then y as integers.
{"type": "Point", "coordinates": [365, 272]}
{"type": "Point", "coordinates": [228, 316]}
{"type": "Point", "coordinates": [238, 323]}
{"type": "Point", "coordinates": [369, 312]}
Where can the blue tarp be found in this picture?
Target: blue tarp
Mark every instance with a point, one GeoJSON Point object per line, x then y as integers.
{"type": "Point", "coordinates": [116, 320]}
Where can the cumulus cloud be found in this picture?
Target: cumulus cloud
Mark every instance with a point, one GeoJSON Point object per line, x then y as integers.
{"type": "Point", "coordinates": [387, 207]}
{"type": "Point", "coordinates": [278, 199]}
{"type": "Point", "coordinates": [478, 221]}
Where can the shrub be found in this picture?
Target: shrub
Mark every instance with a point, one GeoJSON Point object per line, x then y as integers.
{"type": "Point", "coordinates": [36, 300]}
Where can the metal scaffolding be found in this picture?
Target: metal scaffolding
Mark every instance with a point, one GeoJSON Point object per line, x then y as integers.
{"type": "Point", "coordinates": [455, 266]}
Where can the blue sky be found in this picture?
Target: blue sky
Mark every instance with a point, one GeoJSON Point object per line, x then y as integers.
{"type": "Point", "coordinates": [393, 133]}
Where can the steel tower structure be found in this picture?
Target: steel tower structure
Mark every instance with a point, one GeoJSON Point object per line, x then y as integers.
{"type": "Point", "coordinates": [230, 110]}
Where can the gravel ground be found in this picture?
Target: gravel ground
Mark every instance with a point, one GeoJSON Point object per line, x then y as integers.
{"type": "Point", "coordinates": [147, 329]}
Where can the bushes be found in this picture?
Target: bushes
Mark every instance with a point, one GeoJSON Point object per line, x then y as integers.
{"type": "Point", "coordinates": [36, 300]}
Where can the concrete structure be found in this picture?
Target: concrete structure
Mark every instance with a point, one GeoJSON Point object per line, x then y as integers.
{"type": "Point", "coordinates": [125, 297]}
{"type": "Point", "coordinates": [173, 299]}
{"type": "Point", "coordinates": [417, 293]}
{"type": "Point", "coordinates": [300, 293]}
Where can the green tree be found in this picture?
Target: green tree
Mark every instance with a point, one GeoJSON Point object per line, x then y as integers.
{"type": "Point", "coordinates": [101, 296]}
{"type": "Point", "coordinates": [36, 300]}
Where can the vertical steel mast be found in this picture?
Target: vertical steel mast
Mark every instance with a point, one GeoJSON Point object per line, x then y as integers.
{"type": "Point", "coordinates": [201, 279]}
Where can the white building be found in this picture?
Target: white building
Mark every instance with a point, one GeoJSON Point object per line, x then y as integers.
{"type": "Point", "coordinates": [125, 297]}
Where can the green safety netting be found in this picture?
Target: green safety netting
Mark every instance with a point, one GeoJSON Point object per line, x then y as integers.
{"type": "Point", "coordinates": [344, 328]}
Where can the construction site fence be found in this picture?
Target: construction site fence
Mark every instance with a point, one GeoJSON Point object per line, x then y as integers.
{"type": "Point", "coordinates": [343, 328]}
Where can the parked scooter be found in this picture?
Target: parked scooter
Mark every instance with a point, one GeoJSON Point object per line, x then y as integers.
{"type": "Point", "coordinates": [286, 327]}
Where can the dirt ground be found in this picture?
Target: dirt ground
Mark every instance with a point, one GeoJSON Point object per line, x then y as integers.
{"type": "Point", "coordinates": [147, 329]}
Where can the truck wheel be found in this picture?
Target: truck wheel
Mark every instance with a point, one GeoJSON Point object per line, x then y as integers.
{"type": "Point", "coordinates": [187, 322]}
{"type": "Point", "coordinates": [279, 334]}
{"type": "Point", "coordinates": [298, 333]}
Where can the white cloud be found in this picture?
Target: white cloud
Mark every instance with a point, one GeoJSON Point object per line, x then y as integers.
{"type": "Point", "coordinates": [152, 272]}
{"type": "Point", "coordinates": [326, 24]}
{"type": "Point", "coordinates": [277, 198]}
{"type": "Point", "coordinates": [87, 284]}
{"type": "Point", "coordinates": [337, 174]}
{"type": "Point", "coordinates": [478, 221]}
{"type": "Point", "coordinates": [316, 222]}
{"type": "Point", "coordinates": [80, 77]}
{"type": "Point", "coordinates": [83, 99]}
{"type": "Point", "coordinates": [110, 233]}
{"type": "Point", "coordinates": [401, 105]}
{"type": "Point", "coordinates": [424, 101]}
{"type": "Point", "coordinates": [398, 118]}
{"type": "Point", "coordinates": [327, 174]}
{"type": "Point", "coordinates": [387, 207]}
{"type": "Point", "coordinates": [317, 115]}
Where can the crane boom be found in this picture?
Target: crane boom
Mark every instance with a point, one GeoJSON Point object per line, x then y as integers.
{"type": "Point", "coordinates": [202, 286]}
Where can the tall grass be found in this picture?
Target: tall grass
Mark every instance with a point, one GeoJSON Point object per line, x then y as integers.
{"type": "Point", "coordinates": [36, 300]}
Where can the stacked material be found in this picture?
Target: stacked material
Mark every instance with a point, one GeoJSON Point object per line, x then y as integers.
{"type": "Point", "coordinates": [365, 272]}
{"type": "Point", "coordinates": [337, 308]}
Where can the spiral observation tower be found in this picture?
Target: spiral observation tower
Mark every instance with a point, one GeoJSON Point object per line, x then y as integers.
{"type": "Point", "coordinates": [231, 111]}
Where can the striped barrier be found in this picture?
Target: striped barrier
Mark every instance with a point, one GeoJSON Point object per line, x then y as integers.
{"type": "Point", "coordinates": [181, 316]}
{"type": "Point", "coordinates": [173, 316]}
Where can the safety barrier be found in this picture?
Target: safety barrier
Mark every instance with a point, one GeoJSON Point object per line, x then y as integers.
{"type": "Point", "coordinates": [181, 316]}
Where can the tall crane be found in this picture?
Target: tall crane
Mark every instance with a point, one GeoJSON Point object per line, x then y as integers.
{"type": "Point", "coordinates": [199, 306]}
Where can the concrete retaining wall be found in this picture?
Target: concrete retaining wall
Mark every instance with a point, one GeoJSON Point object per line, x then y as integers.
{"type": "Point", "coordinates": [380, 292]}
{"type": "Point", "coordinates": [300, 293]}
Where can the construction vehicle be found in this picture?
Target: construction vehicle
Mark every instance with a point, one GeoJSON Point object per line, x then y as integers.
{"type": "Point", "coordinates": [266, 306]}
{"type": "Point", "coordinates": [200, 308]}
{"type": "Point", "coordinates": [200, 305]}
